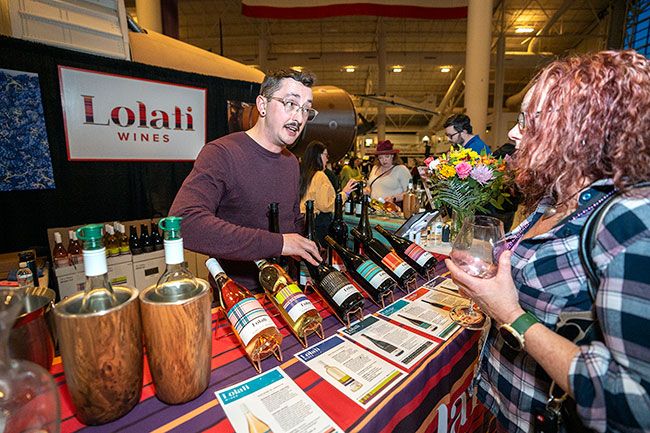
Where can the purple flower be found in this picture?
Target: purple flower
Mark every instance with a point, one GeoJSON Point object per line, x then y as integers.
{"type": "Point", "coordinates": [482, 174]}
{"type": "Point", "coordinates": [463, 169]}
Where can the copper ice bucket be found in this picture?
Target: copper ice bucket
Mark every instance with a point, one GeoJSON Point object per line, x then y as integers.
{"type": "Point", "coordinates": [102, 356]}
{"type": "Point", "coordinates": [179, 342]}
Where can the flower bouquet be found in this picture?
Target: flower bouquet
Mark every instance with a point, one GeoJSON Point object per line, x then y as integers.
{"type": "Point", "coordinates": [464, 182]}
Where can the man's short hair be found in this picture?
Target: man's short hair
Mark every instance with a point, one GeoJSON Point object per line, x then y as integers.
{"type": "Point", "coordinates": [460, 122]}
{"type": "Point", "coordinates": [272, 80]}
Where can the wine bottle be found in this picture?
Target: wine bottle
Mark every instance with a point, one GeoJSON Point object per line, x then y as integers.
{"type": "Point", "coordinates": [387, 259]}
{"type": "Point", "coordinates": [368, 275]}
{"type": "Point", "coordinates": [122, 239]}
{"type": "Point", "coordinates": [74, 248]}
{"type": "Point", "coordinates": [134, 241]}
{"type": "Point", "coordinates": [298, 311]}
{"type": "Point", "coordinates": [156, 239]}
{"type": "Point", "coordinates": [342, 377]}
{"type": "Point", "coordinates": [145, 239]}
{"type": "Point", "coordinates": [358, 204]}
{"type": "Point", "coordinates": [255, 425]}
{"type": "Point", "coordinates": [177, 282]}
{"type": "Point", "coordinates": [59, 253]}
{"type": "Point", "coordinates": [310, 233]}
{"type": "Point", "coordinates": [338, 230]}
{"type": "Point", "coordinates": [384, 345]}
{"type": "Point", "coordinates": [413, 254]}
{"type": "Point", "coordinates": [254, 328]}
{"type": "Point", "coordinates": [337, 290]}
{"type": "Point", "coordinates": [364, 224]}
{"type": "Point", "coordinates": [112, 244]}
{"type": "Point", "coordinates": [98, 291]}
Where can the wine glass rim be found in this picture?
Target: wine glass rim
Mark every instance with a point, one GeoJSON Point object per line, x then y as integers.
{"type": "Point", "coordinates": [484, 220]}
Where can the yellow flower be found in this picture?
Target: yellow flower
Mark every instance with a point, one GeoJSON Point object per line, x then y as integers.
{"type": "Point", "coordinates": [447, 171]}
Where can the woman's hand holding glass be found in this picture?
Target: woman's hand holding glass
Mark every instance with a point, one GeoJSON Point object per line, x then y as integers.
{"type": "Point", "coordinates": [475, 253]}
{"type": "Point", "coordinates": [496, 296]}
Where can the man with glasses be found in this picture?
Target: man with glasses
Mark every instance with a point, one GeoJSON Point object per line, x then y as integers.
{"type": "Point", "coordinates": [224, 200]}
{"type": "Point", "coordinates": [459, 132]}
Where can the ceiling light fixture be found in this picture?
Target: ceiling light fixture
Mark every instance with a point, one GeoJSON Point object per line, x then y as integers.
{"type": "Point", "coordinates": [445, 69]}
{"type": "Point", "coordinates": [397, 68]}
{"type": "Point", "coordinates": [524, 30]}
{"type": "Point", "coordinates": [349, 68]}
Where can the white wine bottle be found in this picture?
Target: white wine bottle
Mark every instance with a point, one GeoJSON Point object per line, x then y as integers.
{"type": "Point", "coordinates": [298, 311]}
{"type": "Point", "coordinates": [342, 377]}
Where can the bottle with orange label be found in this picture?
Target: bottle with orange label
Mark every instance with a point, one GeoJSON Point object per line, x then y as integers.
{"type": "Point", "coordinates": [413, 254]}
{"type": "Point", "coordinates": [387, 259]}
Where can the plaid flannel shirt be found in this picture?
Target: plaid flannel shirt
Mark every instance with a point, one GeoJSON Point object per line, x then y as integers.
{"type": "Point", "coordinates": [610, 377]}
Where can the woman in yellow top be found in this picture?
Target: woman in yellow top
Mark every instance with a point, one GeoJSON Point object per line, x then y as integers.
{"type": "Point", "coordinates": [316, 186]}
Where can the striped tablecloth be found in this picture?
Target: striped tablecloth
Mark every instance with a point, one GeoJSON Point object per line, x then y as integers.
{"type": "Point", "coordinates": [432, 398]}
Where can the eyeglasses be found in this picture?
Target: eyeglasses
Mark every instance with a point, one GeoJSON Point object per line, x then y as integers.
{"type": "Point", "coordinates": [451, 136]}
{"type": "Point", "coordinates": [292, 107]}
{"type": "Point", "coordinates": [521, 120]}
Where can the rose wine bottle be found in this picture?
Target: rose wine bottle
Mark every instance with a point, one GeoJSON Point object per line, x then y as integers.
{"type": "Point", "coordinates": [298, 311]}
{"type": "Point", "coordinates": [254, 328]}
{"type": "Point", "coordinates": [364, 272]}
{"type": "Point", "coordinates": [59, 253]}
{"type": "Point", "coordinates": [387, 259]}
{"type": "Point", "coordinates": [74, 248]}
{"type": "Point", "coordinates": [413, 254]}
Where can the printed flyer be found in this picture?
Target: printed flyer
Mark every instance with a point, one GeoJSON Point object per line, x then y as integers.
{"type": "Point", "coordinates": [272, 402]}
{"type": "Point", "coordinates": [357, 373]}
{"type": "Point", "coordinates": [428, 319]}
{"type": "Point", "coordinates": [436, 298]}
{"type": "Point", "coordinates": [442, 283]}
{"type": "Point", "coordinates": [390, 341]}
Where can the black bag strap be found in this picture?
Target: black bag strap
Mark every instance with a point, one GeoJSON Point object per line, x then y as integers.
{"type": "Point", "coordinates": [587, 239]}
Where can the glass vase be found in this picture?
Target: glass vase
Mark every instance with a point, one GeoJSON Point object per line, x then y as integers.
{"type": "Point", "coordinates": [29, 400]}
{"type": "Point", "coordinates": [456, 223]}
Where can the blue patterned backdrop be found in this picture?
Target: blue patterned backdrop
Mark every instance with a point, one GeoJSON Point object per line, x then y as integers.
{"type": "Point", "coordinates": [25, 162]}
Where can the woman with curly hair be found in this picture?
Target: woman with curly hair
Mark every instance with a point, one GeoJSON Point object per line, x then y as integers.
{"type": "Point", "coordinates": [583, 134]}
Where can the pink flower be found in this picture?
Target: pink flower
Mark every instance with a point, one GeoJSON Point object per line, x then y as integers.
{"type": "Point", "coordinates": [482, 174]}
{"type": "Point", "coordinates": [463, 170]}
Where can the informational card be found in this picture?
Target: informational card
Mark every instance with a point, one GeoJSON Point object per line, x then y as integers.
{"type": "Point", "coordinates": [272, 402]}
{"type": "Point", "coordinates": [441, 299]}
{"type": "Point", "coordinates": [442, 283]}
{"type": "Point", "coordinates": [390, 341]}
{"type": "Point", "coordinates": [360, 375]}
{"type": "Point", "coordinates": [428, 319]}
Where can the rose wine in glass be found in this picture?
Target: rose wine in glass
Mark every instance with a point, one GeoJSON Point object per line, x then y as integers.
{"type": "Point", "coordinates": [473, 251]}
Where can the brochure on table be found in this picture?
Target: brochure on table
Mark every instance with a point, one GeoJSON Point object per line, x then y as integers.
{"type": "Point", "coordinates": [358, 374]}
{"type": "Point", "coordinates": [424, 318]}
{"type": "Point", "coordinates": [390, 341]}
{"type": "Point", "coordinates": [442, 283]}
{"type": "Point", "coordinates": [443, 300]}
{"type": "Point", "coordinates": [273, 402]}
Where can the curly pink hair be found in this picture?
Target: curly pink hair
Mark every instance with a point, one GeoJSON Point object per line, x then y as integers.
{"type": "Point", "coordinates": [587, 118]}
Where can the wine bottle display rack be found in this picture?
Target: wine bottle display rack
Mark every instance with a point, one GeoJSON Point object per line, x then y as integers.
{"type": "Point", "coordinates": [314, 328]}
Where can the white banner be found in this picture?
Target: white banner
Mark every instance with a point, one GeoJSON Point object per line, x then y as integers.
{"type": "Point", "coordinates": [112, 117]}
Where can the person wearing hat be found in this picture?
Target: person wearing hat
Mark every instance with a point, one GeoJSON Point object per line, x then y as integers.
{"type": "Point", "coordinates": [388, 179]}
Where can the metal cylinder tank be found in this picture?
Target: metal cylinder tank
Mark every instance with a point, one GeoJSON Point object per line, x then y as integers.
{"type": "Point", "coordinates": [335, 126]}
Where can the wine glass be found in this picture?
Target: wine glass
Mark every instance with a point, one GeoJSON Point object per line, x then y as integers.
{"type": "Point", "coordinates": [29, 401]}
{"type": "Point", "coordinates": [475, 250]}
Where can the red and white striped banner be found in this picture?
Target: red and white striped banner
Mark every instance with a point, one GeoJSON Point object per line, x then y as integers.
{"type": "Point", "coordinates": [310, 9]}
